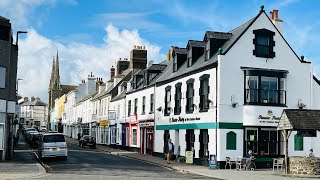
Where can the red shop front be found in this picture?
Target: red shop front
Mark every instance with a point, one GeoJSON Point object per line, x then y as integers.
{"type": "Point", "coordinates": [146, 136]}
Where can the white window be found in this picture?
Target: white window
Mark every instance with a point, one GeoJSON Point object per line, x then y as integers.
{"type": "Point", "coordinates": [113, 135]}
{"type": "Point", "coordinates": [134, 136]}
{"type": "Point", "coordinates": [1, 135]}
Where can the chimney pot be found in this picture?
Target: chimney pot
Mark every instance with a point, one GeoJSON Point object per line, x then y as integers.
{"type": "Point", "coordinates": [271, 15]}
{"type": "Point", "coordinates": [275, 14]}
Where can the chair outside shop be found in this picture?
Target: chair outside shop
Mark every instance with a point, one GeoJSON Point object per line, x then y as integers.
{"type": "Point", "coordinates": [229, 162]}
{"type": "Point", "coordinates": [278, 163]}
{"type": "Point", "coordinates": [241, 164]}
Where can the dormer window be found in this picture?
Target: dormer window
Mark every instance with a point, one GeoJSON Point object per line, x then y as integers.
{"type": "Point", "coordinates": [264, 43]}
{"type": "Point", "coordinates": [175, 64]}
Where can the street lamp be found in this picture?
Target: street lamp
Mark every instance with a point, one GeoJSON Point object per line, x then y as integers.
{"type": "Point", "coordinates": [17, 37]}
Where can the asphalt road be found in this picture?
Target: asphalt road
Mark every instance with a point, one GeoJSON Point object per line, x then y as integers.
{"type": "Point", "coordinates": [86, 163]}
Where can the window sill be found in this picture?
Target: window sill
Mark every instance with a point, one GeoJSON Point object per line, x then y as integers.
{"type": "Point", "coordinates": [203, 110]}
{"type": "Point", "coordinates": [151, 112]}
{"type": "Point", "coordinates": [166, 114]}
{"type": "Point", "coordinates": [189, 112]}
{"type": "Point", "coordinates": [177, 113]}
{"type": "Point", "coordinates": [265, 104]}
{"type": "Point", "coordinates": [143, 113]}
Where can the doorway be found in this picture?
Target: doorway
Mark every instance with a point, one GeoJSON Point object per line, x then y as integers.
{"type": "Point", "coordinates": [204, 139]}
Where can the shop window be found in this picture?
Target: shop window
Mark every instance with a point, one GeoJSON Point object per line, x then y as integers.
{"type": "Point", "coordinates": [190, 95]}
{"type": "Point", "coordinates": [204, 93]}
{"type": "Point", "coordinates": [231, 140]}
{"type": "Point", "coordinates": [298, 142]}
{"type": "Point", "coordinates": [264, 43]}
{"type": "Point", "coordinates": [134, 137]}
{"type": "Point", "coordinates": [177, 99]}
{"type": "Point", "coordinates": [113, 135]}
{"type": "Point", "coordinates": [251, 140]}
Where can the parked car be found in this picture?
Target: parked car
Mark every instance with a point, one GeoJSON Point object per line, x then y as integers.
{"type": "Point", "coordinates": [28, 129]}
{"type": "Point", "coordinates": [52, 145]}
{"type": "Point", "coordinates": [34, 139]}
{"type": "Point", "coordinates": [87, 141]}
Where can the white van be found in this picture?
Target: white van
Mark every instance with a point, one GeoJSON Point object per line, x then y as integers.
{"type": "Point", "coordinates": [53, 145]}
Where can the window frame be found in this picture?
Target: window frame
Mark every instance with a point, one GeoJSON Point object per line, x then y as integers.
{"type": "Point", "coordinates": [129, 108]}
{"type": "Point", "coordinates": [151, 103]}
{"type": "Point", "coordinates": [190, 98]}
{"type": "Point", "coordinates": [204, 106]}
{"type": "Point", "coordinates": [143, 105]}
{"type": "Point", "coordinates": [281, 87]}
{"type": "Point", "coordinates": [135, 106]}
{"type": "Point", "coordinates": [167, 101]}
{"type": "Point", "coordinates": [177, 98]}
{"type": "Point", "coordinates": [270, 36]}
{"type": "Point", "coordinates": [297, 139]}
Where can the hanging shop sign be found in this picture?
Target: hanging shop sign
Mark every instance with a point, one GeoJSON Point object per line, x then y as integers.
{"type": "Point", "coordinates": [270, 118]}
{"type": "Point", "coordinates": [146, 124]}
{"type": "Point", "coordinates": [104, 123]}
{"type": "Point", "coordinates": [182, 119]}
{"type": "Point", "coordinates": [112, 115]}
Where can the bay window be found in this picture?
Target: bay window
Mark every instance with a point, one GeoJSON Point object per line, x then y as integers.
{"type": "Point", "coordinates": [265, 88]}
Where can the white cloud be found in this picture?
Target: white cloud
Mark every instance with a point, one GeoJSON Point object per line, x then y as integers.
{"type": "Point", "coordinates": [77, 60]}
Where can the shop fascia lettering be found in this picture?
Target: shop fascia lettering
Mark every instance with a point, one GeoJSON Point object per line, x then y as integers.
{"type": "Point", "coordinates": [270, 118]}
{"type": "Point", "coordinates": [182, 119]}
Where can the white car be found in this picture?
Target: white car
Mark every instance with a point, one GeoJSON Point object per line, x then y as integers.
{"type": "Point", "coordinates": [52, 145]}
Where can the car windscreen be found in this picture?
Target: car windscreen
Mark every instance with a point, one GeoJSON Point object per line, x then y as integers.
{"type": "Point", "coordinates": [53, 138]}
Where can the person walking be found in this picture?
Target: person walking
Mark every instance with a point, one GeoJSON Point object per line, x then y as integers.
{"type": "Point", "coordinates": [79, 136]}
{"type": "Point", "coordinates": [168, 150]}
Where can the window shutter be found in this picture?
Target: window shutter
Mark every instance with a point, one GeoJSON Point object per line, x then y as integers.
{"type": "Point", "coordinates": [231, 141]}
{"type": "Point", "coordinates": [208, 89]}
{"type": "Point", "coordinates": [298, 142]}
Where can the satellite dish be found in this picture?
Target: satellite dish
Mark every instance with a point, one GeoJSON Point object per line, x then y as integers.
{"type": "Point", "coordinates": [150, 63]}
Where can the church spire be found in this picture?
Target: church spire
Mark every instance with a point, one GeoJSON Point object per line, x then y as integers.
{"type": "Point", "coordinates": [57, 74]}
{"type": "Point", "coordinates": [52, 74]}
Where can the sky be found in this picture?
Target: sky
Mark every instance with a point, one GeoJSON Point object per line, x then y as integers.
{"type": "Point", "coordinates": [91, 36]}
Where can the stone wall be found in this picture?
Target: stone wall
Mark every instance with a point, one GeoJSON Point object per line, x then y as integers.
{"type": "Point", "coordinates": [304, 165]}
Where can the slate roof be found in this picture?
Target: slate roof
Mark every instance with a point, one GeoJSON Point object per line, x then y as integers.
{"type": "Point", "coordinates": [65, 89]}
{"type": "Point", "coordinates": [234, 34]}
{"type": "Point", "coordinates": [218, 35]}
{"type": "Point", "coordinates": [195, 43]}
{"type": "Point", "coordinates": [303, 119]}
{"type": "Point", "coordinates": [178, 50]}
{"type": "Point", "coordinates": [119, 96]}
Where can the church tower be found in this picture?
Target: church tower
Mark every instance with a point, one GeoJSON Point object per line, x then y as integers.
{"type": "Point", "coordinates": [54, 86]}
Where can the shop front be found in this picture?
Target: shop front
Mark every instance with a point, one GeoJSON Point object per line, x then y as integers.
{"type": "Point", "coordinates": [103, 132]}
{"type": "Point", "coordinates": [133, 133]}
{"type": "Point", "coordinates": [146, 136]}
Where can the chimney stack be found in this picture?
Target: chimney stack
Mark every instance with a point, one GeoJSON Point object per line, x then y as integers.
{"type": "Point", "coordinates": [112, 72]}
{"type": "Point", "coordinates": [275, 20]}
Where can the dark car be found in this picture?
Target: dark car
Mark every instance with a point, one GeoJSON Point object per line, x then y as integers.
{"type": "Point", "coordinates": [87, 141]}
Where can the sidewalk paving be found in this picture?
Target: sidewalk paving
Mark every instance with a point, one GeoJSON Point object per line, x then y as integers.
{"type": "Point", "coordinates": [22, 166]}
{"type": "Point", "coordinates": [232, 174]}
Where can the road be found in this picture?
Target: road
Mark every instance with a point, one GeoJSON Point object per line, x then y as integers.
{"type": "Point", "coordinates": [86, 163]}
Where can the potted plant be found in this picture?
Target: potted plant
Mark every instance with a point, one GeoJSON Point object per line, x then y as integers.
{"type": "Point", "coordinates": [159, 109]}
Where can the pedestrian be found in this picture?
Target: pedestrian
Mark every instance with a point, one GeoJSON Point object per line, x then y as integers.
{"type": "Point", "coordinates": [168, 150]}
{"type": "Point", "coordinates": [249, 160]}
{"type": "Point", "coordinates": [79, 136]}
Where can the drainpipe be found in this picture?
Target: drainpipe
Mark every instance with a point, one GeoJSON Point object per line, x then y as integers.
{"type": "Point", "coordinates": [217, 113]}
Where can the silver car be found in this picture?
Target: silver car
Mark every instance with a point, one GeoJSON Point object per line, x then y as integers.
{"type": "Point", "coordinates": [52, 145]}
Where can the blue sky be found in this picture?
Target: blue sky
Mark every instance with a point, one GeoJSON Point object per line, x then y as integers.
{"type": "Point", "coordinates": [91, 35]}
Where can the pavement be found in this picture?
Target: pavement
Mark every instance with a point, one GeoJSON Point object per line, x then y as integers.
{"type": "Point", "coordinates": [232, 174]}
{"type": "Point", "coordinates": [23, 165]}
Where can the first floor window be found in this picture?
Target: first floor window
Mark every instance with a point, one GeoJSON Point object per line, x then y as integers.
{"type": "Point", "coordinates": [177, 99]}
{"type": "Point", "coordinates": [204, 92]}
{"type": "Point", "coordinates": [151, 103]}
{"type": "Point", "coordinates": [129, 108]}
{"type": "Point", "coordinates": [167, 102]}
{"type": "Point", "coordinates": [143, 105]}
{"type": "Point", "coordinates": [136, 106]}
{"type": "Point", "coordinates": [189, 94]}
{"type": "Point", "coordinates": [134, 136]}
{"type": "Point", "coordinates": [265, 90]}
